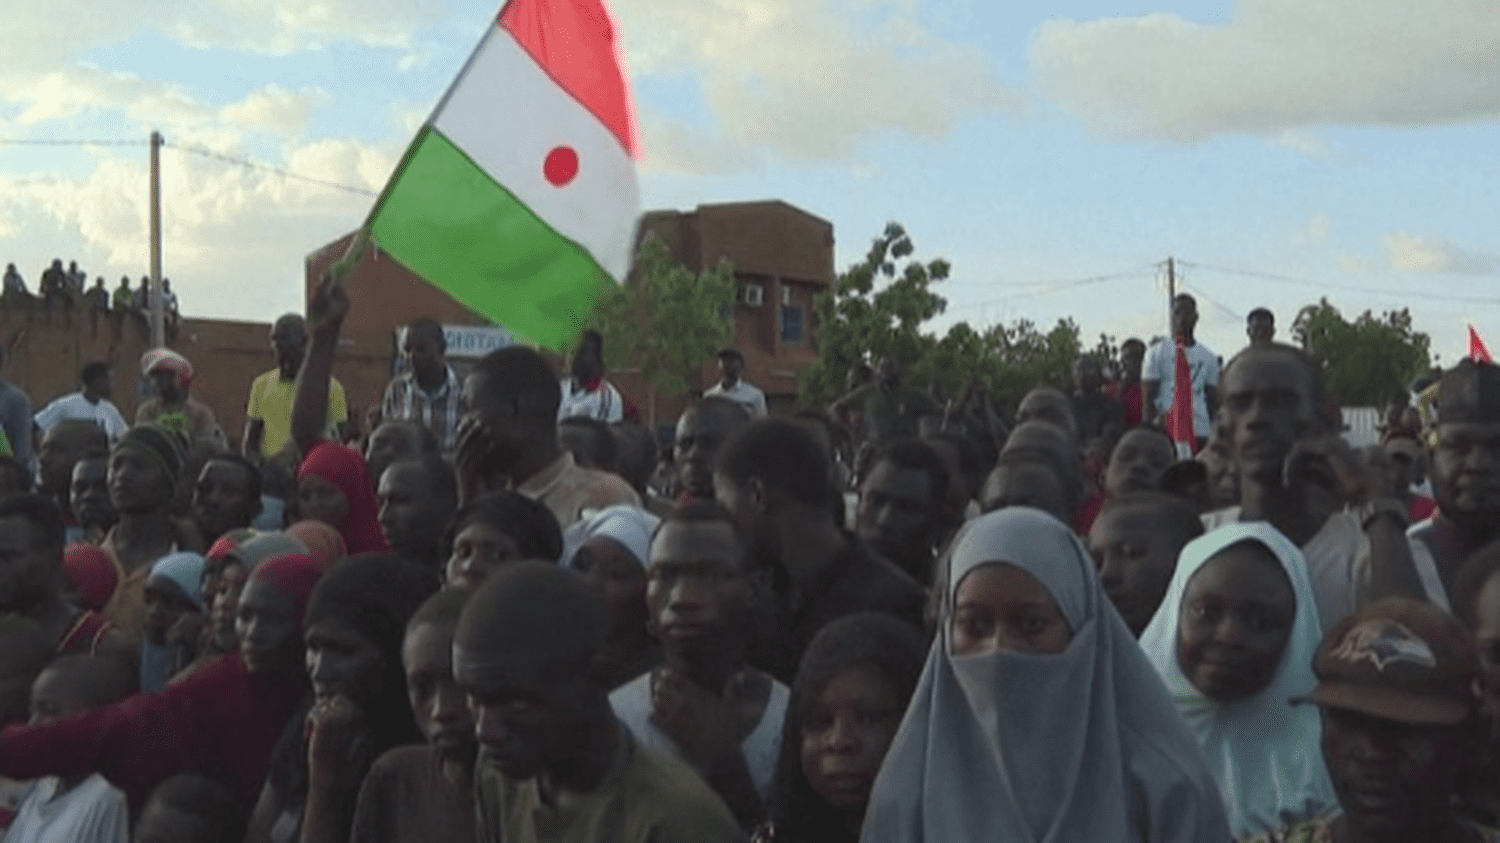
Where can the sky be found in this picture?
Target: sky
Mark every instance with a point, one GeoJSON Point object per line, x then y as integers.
{"type": "Point", "coordinates": [1055, 153]}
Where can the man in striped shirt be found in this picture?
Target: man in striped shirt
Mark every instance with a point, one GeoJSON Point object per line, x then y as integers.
{"type": "Point", "coordinates": [428, 393]}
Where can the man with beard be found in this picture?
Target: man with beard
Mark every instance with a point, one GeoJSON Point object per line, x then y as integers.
{"type": "Point", "coordinates": [705, 704]}
{"type": "Point", "coordinates": [901, 506]}
{"type": "Point", "coordinates": [1465, 468]}
{"type": "Point", "coordinates": [93, 514]}
{"type": "Point", "coordinates": [773, 478]}
{"type": "Point", "coordinates": [226, 496]}
{"type": "Point", "coordinates": [702, 430]}
{"type": "Point", "coordinates": [587, 393]}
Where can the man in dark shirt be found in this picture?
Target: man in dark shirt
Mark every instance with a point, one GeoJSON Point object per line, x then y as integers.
{"type": "Point", "coordinates": [900, 513]}
{"type": "Point", "coordinates": [773, 476]}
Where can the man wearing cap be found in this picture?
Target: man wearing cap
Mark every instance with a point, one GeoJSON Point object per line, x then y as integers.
{"type": "Point", "coordinates": [1398, 691]}
{"type": "Point", "coordinates": [144, 471]}
{"type": "Point", "coordinates": [171, 376]}
{"type": "Point", "coordinates": [1465, 468]}
{"type": "Point", "coordinates": [731, 386]}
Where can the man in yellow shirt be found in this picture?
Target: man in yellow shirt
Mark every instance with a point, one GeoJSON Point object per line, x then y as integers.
{"type": "Point", "coordinates": [268, 414]}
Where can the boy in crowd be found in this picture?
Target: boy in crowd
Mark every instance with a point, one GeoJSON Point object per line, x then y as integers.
{"type": "Point", "coordinates": [706, 705]}
{"type": "Point", "coordinates": [190, 809]}
{"type": "Point", "coordinates": [555, 764]}
{"type": "Point", "coordinates": [1135, 542]}
{"type": "Point", "coordinates": [69, 809]}
{"type": "Point", "coordinates": [1398, 691]}
{"type": "Point", "coordinates": [425, 794]}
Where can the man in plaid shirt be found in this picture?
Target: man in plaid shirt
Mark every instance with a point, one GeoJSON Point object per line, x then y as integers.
{"type": "Point", "coordinates": [429, 393]}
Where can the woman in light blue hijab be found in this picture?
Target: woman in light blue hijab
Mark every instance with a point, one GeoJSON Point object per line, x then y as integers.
{"type": "Point", "coordinates": [1037, 718]}
{"type": "Point", "coordinates": [174, 588]}
{"type": "Point", "coordinates": [1233, 691]}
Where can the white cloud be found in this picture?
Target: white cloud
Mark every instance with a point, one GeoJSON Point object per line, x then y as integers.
{"type": "Point", "coordinates": [275, 109]}
{"type": "Point", "coordinates": [806, 80]}
{"type": "Point", "coordinates": [1280, 64]}
{"type": "Point", "coordinates": [1416, 253]}
{"type": "Point", "coordinates": [233, 239]}
{"type": "Point", "coordinates": [1318, 227]}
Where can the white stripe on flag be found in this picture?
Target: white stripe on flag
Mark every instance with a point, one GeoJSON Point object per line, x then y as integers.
{"type": "Point", "coordinates": [508, 115]}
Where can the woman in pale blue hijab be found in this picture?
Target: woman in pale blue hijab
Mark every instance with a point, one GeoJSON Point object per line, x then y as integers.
{"type": "Point", "coordinates": [174, 589]}
{"type": "Point", "coordinates": [1037, 718]}
{"type": "Point", "coordinates": [1234, 639]}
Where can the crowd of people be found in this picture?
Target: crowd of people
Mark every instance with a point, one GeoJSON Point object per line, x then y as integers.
{"type": "Point", "coordinates": [1166, 603]}
{"type": "Point", "coordinates": [68, 288]}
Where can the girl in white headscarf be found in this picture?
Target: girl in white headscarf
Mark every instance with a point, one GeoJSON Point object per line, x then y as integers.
{"type": "Point", "coordinates": [1234, 639]}
{"type": "Point", "coordinates": [1037, 718]}
{"type": "Point", "coordinates": [610, 547]}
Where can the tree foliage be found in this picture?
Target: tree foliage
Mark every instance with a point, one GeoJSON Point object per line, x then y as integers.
{"type": "Point", "coordinates": [878, 308]}
{"type": "Point", "coordinates": [666, 319]}
{"type": "Point", "coordinates": [1366, 362]}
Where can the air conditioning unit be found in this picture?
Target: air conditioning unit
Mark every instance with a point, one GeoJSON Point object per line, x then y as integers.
{"type": "Point", "coordinates": [754, 295]}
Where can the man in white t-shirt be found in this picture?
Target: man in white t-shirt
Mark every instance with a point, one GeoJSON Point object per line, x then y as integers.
{"type": "Point", "coordinates": [1159, 372]}
{"type": "Point", "coordinates": [91, 403]}
{"type": "Point", "coordinates": [731, 386]}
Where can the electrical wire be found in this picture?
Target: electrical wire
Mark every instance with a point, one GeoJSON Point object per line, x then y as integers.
{"type": "Point", "coordinates": [1359, 288]}
{"type": "Point", "coordinates": [251, 165]}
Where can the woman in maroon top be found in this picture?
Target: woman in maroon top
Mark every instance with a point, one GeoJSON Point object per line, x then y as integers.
{"type": "Point", "coordinates": [220, 723]}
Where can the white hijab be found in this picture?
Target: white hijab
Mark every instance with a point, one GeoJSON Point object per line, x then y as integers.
{"type": "Point", "coordinates": [1083, 745]}
{"type": "Point", "coordinates": [1264, 752]}
{"type": "Point", "coordinates": [631, 526]}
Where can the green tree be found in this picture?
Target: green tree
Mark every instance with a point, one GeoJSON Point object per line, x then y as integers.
{"type": "Point", "coordinates": [666, 319]}
{"type": "Point", "coordinates": [1366, 362]}
{"type": "Point", "coordinates": [858, 323]}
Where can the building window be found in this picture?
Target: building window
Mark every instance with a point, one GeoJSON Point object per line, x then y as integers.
{"type": "Point", "coordinates": [792, 328]}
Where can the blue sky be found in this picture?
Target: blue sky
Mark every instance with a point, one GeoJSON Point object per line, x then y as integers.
{"type": "Point", "coordinates": [1346, 145]}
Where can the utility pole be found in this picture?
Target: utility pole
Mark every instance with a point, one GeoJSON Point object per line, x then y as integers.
{"type": "Point", "coordinates": [1171, 289]}
{"type": "Point", "coordinates": [154, 297]}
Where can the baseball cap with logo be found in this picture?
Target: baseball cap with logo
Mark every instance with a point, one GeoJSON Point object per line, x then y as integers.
{"type": "Point", "coordinates": [1401, 660]}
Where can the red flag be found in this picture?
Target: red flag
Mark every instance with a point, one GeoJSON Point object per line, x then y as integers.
{"type": "Point", "coordinates": [1477, 352]}
{"type": "Point", "coordinates": [1180, 419]}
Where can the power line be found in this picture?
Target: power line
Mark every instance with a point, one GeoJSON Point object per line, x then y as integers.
{"type": "Point", "coordinates": [68, 142]}
{"type": "Point", "coordinates": [1049, 287]}
{"type": "Point", "coordinates": [251, 165]}
{"type": "Point", "coordinates": [1358, 288]}
{"type": "Point", "coordinates": [195, 150]}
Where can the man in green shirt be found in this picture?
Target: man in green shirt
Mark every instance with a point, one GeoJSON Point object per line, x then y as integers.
{"type": "Point", "coordinates": [1398, 688]}
{"type": "Point", "coordinates": [555, 766]}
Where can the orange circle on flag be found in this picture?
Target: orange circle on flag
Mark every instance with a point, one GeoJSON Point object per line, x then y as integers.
{"type": "Point", "coordinates": [561, 165]}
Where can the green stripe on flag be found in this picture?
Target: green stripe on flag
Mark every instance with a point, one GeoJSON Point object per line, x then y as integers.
{"type": "Point", "coordinates": [446, 220]}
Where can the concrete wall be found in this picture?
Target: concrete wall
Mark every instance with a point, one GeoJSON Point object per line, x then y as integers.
{"type": "Point", "coordinates": [47, 353]}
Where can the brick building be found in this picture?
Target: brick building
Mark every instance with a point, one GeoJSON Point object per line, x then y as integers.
{"type": "Point", "coordinates": [782, 256]}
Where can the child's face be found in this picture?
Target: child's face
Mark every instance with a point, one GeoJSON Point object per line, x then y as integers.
{"type": "Point", "coordinates": [1394, 776]}
{"type": "Point", "coordinates": [437, 700]}
{"type": "Point", "coordinates": [1136, 553]}
{"type": "Point", "coordinates": [1487, 637]}
{"type": "Point", "coordinates": [1237, 614]}
{"type": "Point", "coordinates": [54, 696]}
{"type": "Point", "coordinates": [846, 732]}
{"type": "Point", "coordinates": [164, 605]}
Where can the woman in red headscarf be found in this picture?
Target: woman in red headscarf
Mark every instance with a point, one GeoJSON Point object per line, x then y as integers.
{"type": "Point", "coordinates": [333, 483]}
{"type": "Point", "coordinates": [221, 723]}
